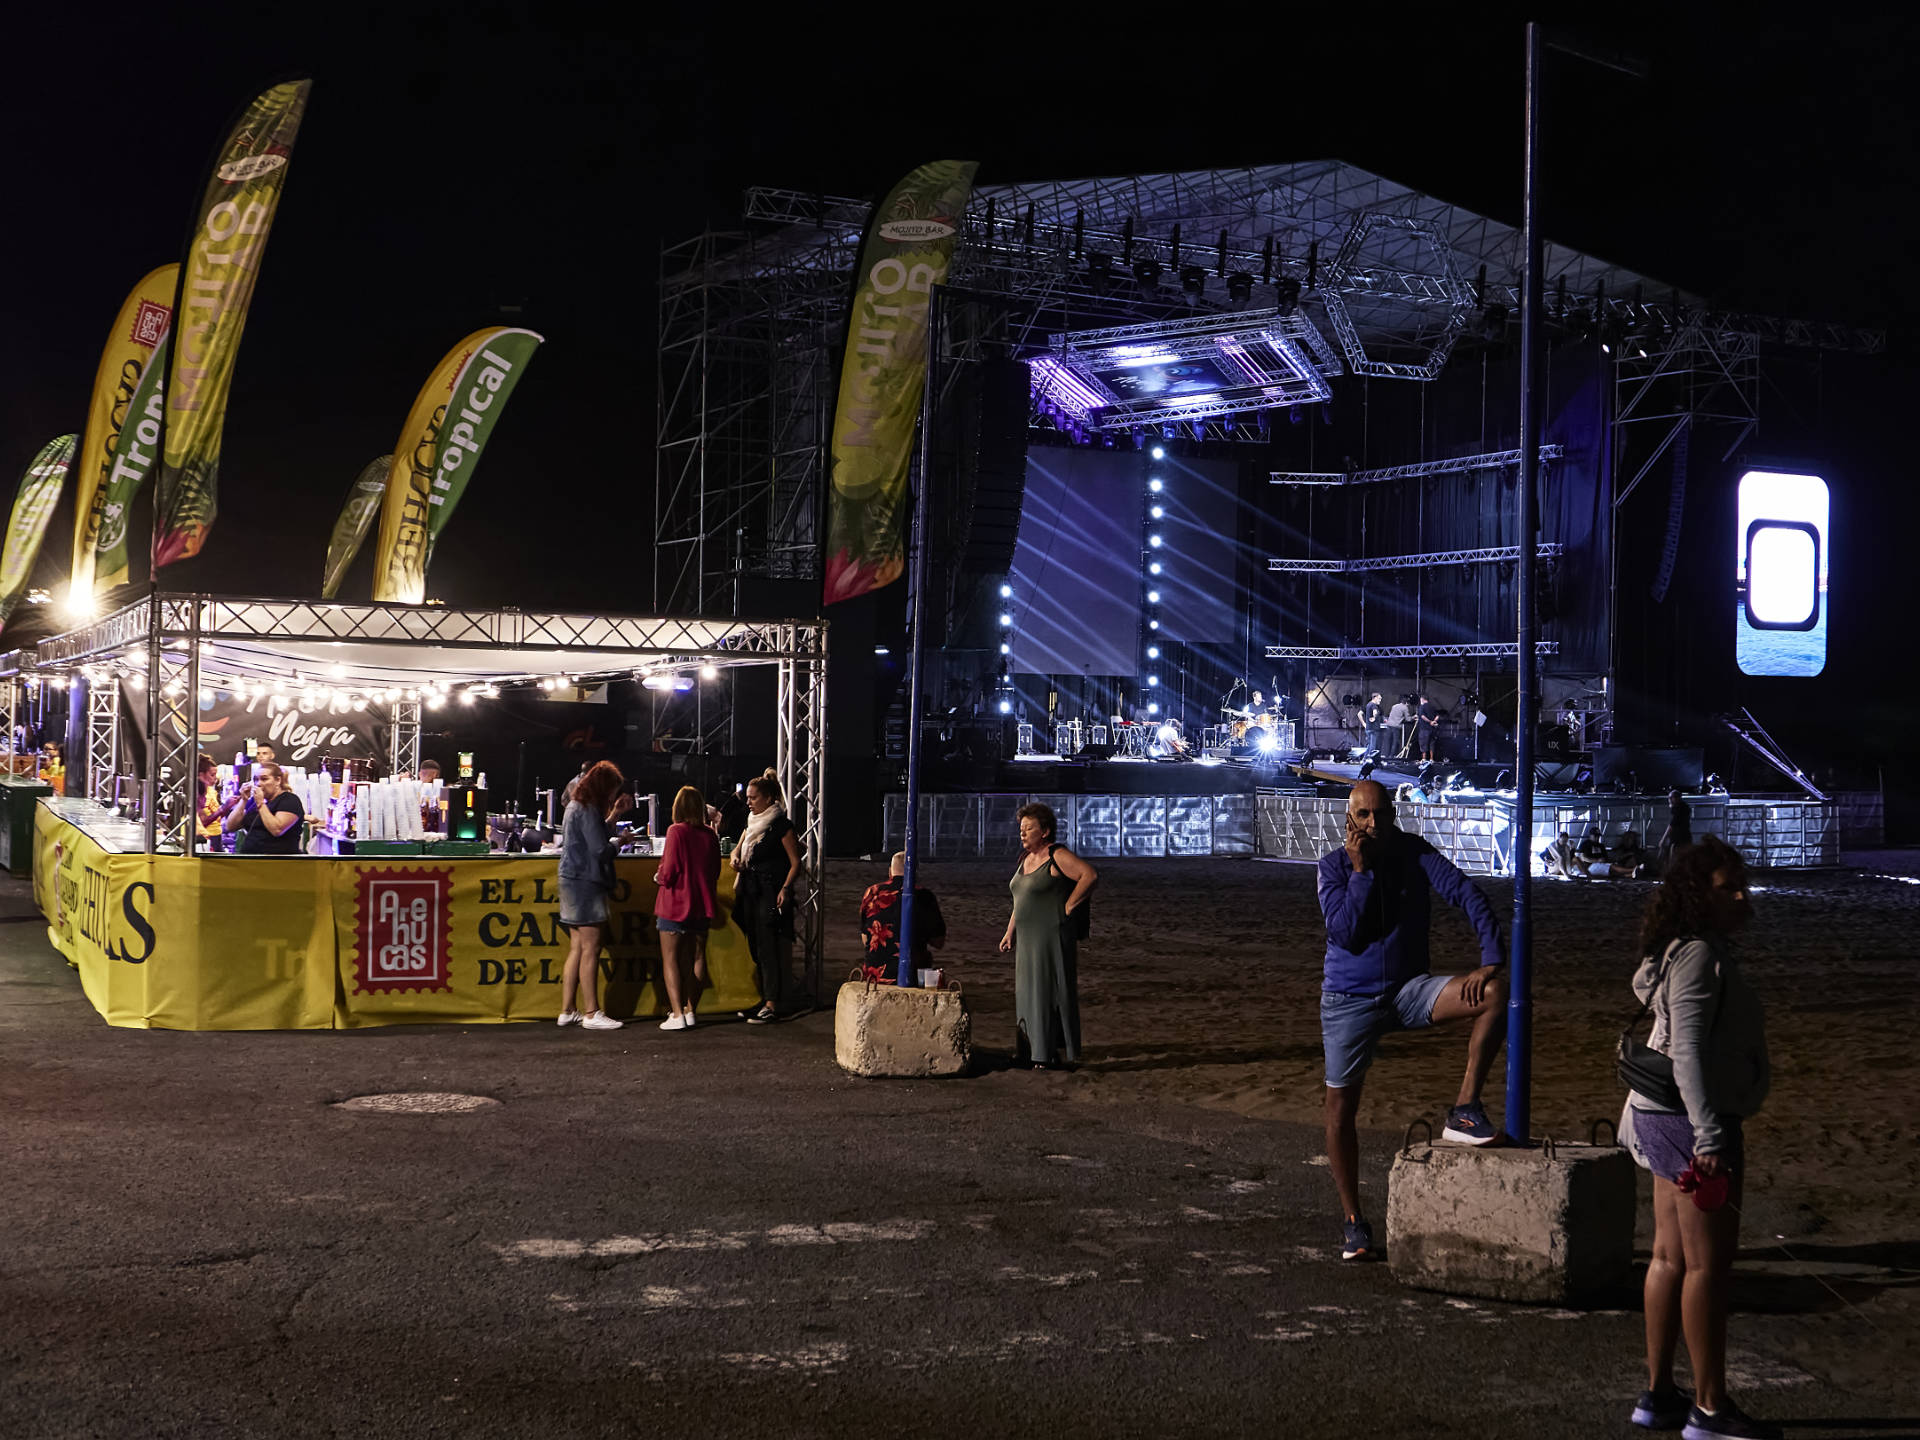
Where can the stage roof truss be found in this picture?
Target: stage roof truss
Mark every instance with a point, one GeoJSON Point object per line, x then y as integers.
{"type": "Point", "coordinates": [1488, 651]}
{"type": "Point", "coordinates": [1118, 378]}
{"type": "Point", "coordinates": [1457, 465]}
{"type": "Point", "coordinates": [1485, 555]}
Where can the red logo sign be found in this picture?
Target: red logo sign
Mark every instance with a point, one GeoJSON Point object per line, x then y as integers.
{"type": "Point", "coordinates": [406, 930]}
{"type": "Point", "coordinates": [150, 324]}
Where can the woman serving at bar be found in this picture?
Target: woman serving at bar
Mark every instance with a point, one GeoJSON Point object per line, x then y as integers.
{"type": "Point", "coordinates": [269, 817]}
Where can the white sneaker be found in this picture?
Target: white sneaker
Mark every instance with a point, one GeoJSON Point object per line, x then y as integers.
{"type": "Point", "coordinates": [568, 1017]}
{"type": "Point", "coordinates": [599, 1020]}
{"type": "Point", "coordinates": [675, 1022]}
{"type": "Point", "coordinates": [687, 1016]}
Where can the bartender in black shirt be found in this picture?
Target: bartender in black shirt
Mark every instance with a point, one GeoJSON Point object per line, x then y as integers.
{"type": "Point", "coordinates": [269, 820]}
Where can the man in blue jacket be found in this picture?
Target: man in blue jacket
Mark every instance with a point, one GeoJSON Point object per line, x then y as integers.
{"type": "Point", "coordinates": [1376, 893]}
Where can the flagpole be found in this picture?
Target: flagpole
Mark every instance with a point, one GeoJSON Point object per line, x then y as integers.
{"type": "Point", "coordinates": [917, 651]}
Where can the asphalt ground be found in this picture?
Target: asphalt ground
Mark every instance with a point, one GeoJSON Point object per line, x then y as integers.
{"type": "Point", "coordinates": [721, 1233]}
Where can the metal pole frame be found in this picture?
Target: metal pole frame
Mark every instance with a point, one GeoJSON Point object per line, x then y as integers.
{"type": "Point", "coordinates": [1519, 1096]}
{"type": "Point", "coordinates": [103, 737]}
{"type": "Point", "coordinates": [800, 764]}
{"type": "Point", "coordinates": [916, 697]}
{"type": "Point", "coordinates": [168, 806]}
{"type": "Point", "coordinates": [403, 749]}
{"type": "Point", "coordinates": [9, 715]}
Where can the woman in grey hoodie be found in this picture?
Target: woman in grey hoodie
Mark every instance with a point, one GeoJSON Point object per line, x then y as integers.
{"type": "Point", "coordinates": [1707, 1019]}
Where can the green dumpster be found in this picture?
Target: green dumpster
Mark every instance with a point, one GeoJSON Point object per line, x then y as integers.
{"type": "Point", "coordinates": [19, 798]}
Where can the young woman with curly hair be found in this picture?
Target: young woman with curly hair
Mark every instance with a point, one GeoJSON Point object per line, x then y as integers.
{"type": "Point", "coordinates": [1708, 1020]}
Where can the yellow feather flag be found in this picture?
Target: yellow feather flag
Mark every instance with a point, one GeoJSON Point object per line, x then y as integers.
{"type": "Point", "coordinates": [407, 514]}
{"type": "Point", "coordinates": [136, 330]}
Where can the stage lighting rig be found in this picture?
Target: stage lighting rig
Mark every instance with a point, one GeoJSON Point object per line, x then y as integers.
{"type": "Point", "coordinates": [1146, 271]}
{"type": "Point", "coordinates": [1099, 268]}
{"type": "Point", "coordinates": [1287, 295]}
{"type": "Point", "coordinates": [1349, 699]}
{"type": "Point", "coordinates": [1239, 288]}
{"type": "Point", "coordinates": [1193, 283]}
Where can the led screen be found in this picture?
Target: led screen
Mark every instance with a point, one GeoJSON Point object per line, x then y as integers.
{"type": "Point", "coordinates": [1780, 574]}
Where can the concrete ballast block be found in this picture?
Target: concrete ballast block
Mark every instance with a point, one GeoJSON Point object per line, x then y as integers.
{"type": "Point", "coordinates": [1554, 1226]}
{"type": "Point", "coordinates": [883, 1030]}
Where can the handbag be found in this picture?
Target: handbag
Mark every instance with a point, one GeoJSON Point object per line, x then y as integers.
{"type": "Point", "coordinates": [1641, 1068]}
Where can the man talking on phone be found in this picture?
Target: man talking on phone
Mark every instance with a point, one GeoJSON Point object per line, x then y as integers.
{"type": "Point", "coordinates": [1376, 893]}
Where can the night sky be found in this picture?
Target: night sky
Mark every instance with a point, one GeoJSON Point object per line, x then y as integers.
{"type": "Point", "coordinates": [452, 163]}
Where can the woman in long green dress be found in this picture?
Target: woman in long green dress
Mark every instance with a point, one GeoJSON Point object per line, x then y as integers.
{"type": "Point", "coordinates": [1050, 885]}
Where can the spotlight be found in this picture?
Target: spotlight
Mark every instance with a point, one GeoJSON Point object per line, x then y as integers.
{"type": "Point", "coordinates": [1157, 513]}
{"type": "Point", "coordinates": [1154, 541]}
{"type": "Point", "coordinates": [1158, 453]}
{"type": "Point", "coordinates": [1267, 745]}
{"type": "Point", "coordinates": [1146, 270]}
{"type": "Point", "coordinates": [1153, 652]}
{"type": "Point", "coordinates": [709, 672]}
{"type": "Point", "coordinates": [1099, 268]}
{"type": "Point", "coordinates": [1005, 648]}
{"type": "Point", "coordinates": [1153, 707]}
{"type": "Point", "coordinates": [1193, 283]}
{"type": "Point", "coordinates": [1156, 484]}
{"type": "Point", "coordinates": [1154, 568]}
{"type": "Point", "coordinates": [1006, 707]}
{"type": "Point", "coordinates": [1287, 295]}
{"type": "Point", "coordinates": [1199, 428]}
{"type": "Point", "coordinates": [1153, 624]}
{"type": "Point", "coordinates": [1239, 288]}
{"type": "Point", "coordinates": [1139, 438]}
{"type": "Point", "coordinates": [1153, 679]}
{"type": "Point", "coordinates": [1005, 619]}
{"type": "Point", "coordinates": [1153, 597]}
{"type": "Point", "coordinates": [1006, 592]}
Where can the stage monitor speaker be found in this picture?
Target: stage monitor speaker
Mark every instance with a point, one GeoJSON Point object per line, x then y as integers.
{"type": "Point", "coordinates": [1094, 752]}
{"type": "Point", "coordinates": [999, 467]}
{"type": "Point", "coordinates": [1650, 769]}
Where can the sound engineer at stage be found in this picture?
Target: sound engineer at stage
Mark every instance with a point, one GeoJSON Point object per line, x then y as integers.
{"type": "Point", "coordinates": [269, 816]}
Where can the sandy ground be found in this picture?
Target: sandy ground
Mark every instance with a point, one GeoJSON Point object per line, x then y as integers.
{"type": "Point", "coordinates": [1201, 985]}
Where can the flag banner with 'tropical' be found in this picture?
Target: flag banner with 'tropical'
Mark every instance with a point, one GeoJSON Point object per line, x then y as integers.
{"type": "Point", "coordinates": [130, 348]}
{"type": "Point", "coordinates": [32, 508]}
{"type": "Point", "coordinates": [221, 267]}
{"type": "Point", "coordinates": [439, 449]}
{"type": "Point", "coordinates": [132, 463]}
{"type": "Point", "coordinates": [356, 518]}
{"type": "Point", "coordinates": [907, 251]}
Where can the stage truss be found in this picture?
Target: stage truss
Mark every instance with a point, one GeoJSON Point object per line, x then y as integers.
{"type": "Point", "coordinates": [750, 320]}
{"type": "Point", "coordinates": [1475, 651]}
{"type": "Point", "coordinates": [1483, 556]}
{"type": "Point", "coordinates": [169, 646]}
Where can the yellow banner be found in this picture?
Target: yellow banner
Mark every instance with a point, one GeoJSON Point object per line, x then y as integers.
{"type": "Point", "coordinates": [230, 943]}
{"type": "Point", "coordinates": [400, 563]}
{"type": "Point", "coordinates": [222, 266]}
{"type": "Point", "coordinates": [137, 329]}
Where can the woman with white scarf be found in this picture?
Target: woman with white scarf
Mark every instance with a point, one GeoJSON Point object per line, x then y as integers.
{"type": "Point", "coordinates": [766, 864]}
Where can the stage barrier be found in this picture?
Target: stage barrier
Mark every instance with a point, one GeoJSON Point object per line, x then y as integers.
{"type": "Point", "coordinates": [1476, 834]}
{"type": "Point", "coordinates": [305, 943]}
{"type": "Point", "coordinates": [986, 827]}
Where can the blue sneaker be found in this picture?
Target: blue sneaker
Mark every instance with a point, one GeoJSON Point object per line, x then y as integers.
{"type": "Point", "coordinates": [1358, 1244]}
{"type": "Point", "coordinates": [1662, 1409]}
{"type": "Point", "coordinates": [1468, 1125]}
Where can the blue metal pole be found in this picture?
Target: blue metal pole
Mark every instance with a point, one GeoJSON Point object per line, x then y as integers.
{"type": "Point", "coordinates": [918, 648]}
{"type": "Point", "coordinates": [1520, 987]}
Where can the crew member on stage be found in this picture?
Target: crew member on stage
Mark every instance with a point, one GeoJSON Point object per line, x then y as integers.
{"type": "Point", "coordinates": [1377, 893]}
{"type": "Point", "coordinates": [1371, 714]}
{"type": "Point", "coordinates": [1427, 724]}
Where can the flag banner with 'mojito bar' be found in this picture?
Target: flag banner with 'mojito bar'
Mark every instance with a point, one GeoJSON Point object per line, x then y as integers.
{"type": "Point", "coordinates": [356, 518]}
{"type": "Point", "coordinates": [221, 267]}
{"type": "Point", "coordinates": [907, 251]}
{"type": "Point", "coordinates": [33, 507]}
{"type": "Point", "coordinates": [439, 450]}
{"type": "Point", "coordinates": [130, 349]}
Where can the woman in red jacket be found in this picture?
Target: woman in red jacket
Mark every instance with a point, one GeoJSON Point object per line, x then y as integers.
{"type": "Point", "coordinates": [685, 904]}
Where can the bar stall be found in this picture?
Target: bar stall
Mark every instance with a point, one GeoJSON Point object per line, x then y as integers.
{"type": "Point", "coordinates": [381, 916]}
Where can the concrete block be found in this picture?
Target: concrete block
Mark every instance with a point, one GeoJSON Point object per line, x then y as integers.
{"type": "Point", "coordinates": [883, 1030]}
{"type": "Point", "coordinates": [1548, 1225]}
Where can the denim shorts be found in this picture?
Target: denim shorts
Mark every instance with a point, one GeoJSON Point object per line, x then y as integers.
{"type": "Point", "coordinates": [582, 902]}
{"type": "Point", "coordinates": [681, 927]}
{"type": "Point", "coordinates": [1351, 1025]}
